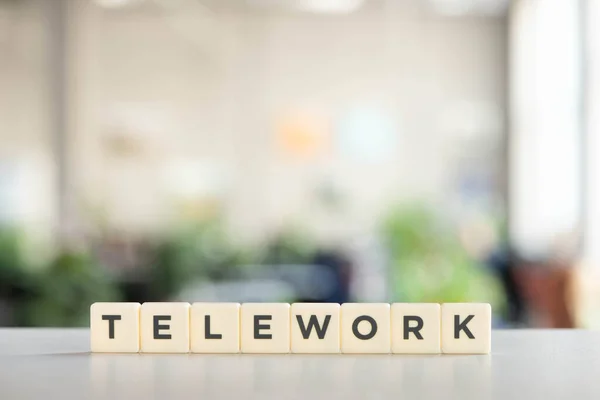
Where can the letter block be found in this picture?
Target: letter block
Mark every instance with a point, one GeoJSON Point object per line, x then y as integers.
{"type": "Point", "coordinates": [115, 327]}
{"type": "Point", "coordinates": [265, 328]}
{"type": "Point", "coordinates": [416, 328]}
{"type": "Point", "coordinates": [365, 328]}
{"type": "Point", "coordinates": [215, 328]}
{"type": "Point", "coordinates": [354, 328]}
{"type": "Point", "coordinates": [165, 327]}
{"type": "Point", "coordinates": [315, 328]}
{"type": "Point", "coordinates": [466, 328]}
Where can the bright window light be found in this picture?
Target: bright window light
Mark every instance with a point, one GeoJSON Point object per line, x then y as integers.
{"type": "Point", "coordinates": [545, 154]}
{"type": "Point", "coordinates": [330, 6]}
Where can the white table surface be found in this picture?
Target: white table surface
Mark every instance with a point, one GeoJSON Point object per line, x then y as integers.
{"type": "Point", "coordinates": [524, 364]}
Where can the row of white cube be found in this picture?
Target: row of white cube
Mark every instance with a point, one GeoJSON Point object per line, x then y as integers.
{"type": "Point", "coordinates": [399, 328]}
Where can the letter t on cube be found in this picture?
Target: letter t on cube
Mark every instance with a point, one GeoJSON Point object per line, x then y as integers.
{"type": "Point", "coordinates": [115, 327]}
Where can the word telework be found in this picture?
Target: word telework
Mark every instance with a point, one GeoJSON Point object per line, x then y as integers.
{"type": "Point", "coordinates": [351, 328]}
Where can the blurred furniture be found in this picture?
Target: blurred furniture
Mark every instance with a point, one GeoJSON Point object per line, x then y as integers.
{"type": "Point", "coordinates": [546, 287]}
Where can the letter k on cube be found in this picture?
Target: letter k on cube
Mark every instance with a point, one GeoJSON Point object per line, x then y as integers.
{"type": "Point", "coordinates": [466, 328]}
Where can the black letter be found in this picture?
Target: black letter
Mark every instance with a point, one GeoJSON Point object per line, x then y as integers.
{"type": "Point", "coordinates": [458, 326]}
{"type": "Point", "coordinates": [157, 327]}
{"type": "Point", "coordinates": [111, 324]}
{"type": "Point", "coordinates": [414, 329]}
{"type": "Point", "coordinates": [258, 327]}
{"type": "Point", "coordinates": [312, 321]}
{"type": "Point", "coordinates": [371, 321]}
{"type": "Point", "coordinates": [207, 333]}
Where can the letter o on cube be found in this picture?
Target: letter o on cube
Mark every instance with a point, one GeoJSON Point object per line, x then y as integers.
{"type": "Point", "coordinates": [365, 328]}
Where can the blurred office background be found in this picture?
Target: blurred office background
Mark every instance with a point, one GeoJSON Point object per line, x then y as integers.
{"type": "Point", "coordinates": [300, 150]}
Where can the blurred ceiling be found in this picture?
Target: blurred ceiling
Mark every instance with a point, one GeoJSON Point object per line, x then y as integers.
{"type": "Point", "coordinates": [492, 8]}
{"type": "Point", "coordinates": [445, 7]}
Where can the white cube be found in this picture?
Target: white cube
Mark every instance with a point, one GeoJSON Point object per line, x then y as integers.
{"type": "Point", "coordinates": [315, 328]}
{"type": "Point", "coordinates": [365, 328]}
{"type": "Point", "coordinates": [265, 328]}
{"type": "Point", "coordinates": [416, 328]}
{"type": "Point", "coordinates": [466, 328]}
{"type": "Point", "coordinates": [115, 327]}
{"type": "Point", "coordinates": [165, 327]}
{"type": "Point", "coordinates": [215, 328]}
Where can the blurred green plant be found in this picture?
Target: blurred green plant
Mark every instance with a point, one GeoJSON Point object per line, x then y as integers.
{"type": "Point", "coordinates": [65, 290]}
{"type": "Point", "coordinates": [199, 252]}
{"type": "Point", "coordinates": [205, 251]}
{"type": "Point", "coordinates": [289, 246]}
{"type": "Point", "coordinates": [429, 264]}
{"type": "Point", "coordinates": [16, 278]}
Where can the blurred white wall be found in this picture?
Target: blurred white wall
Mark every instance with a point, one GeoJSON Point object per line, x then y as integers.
{"type": "Point", "coordinates": [27, 192]}
{"type": "Point", "coordinates": [592, 221]}
{"type": "Point", "coordinates": [156, 95]}
{"type": "Point", "coordinates": [588, 278]}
